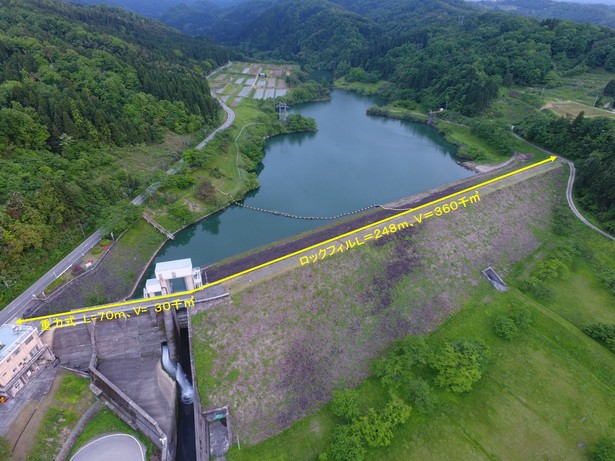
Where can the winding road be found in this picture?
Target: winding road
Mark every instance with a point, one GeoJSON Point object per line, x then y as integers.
{"type": "Point", "coordinates": [569, 188]}
{"type": "Point", "coordinates": [19, 305]}
{"type": "Point", "coordinates": [573, 206]}
{"type": "Point", "coordinates": [230, 118]}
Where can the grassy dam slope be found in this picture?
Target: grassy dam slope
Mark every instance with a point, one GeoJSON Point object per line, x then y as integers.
{"type": "Point", "coordinates": [280, 345]}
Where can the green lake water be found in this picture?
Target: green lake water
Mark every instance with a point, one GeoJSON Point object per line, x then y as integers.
{"type": "Point", "coordinates": [353, 161]}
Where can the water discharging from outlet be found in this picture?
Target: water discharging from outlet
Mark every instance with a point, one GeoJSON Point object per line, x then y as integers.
{"type": "Point", "coordinates": [176, 370]}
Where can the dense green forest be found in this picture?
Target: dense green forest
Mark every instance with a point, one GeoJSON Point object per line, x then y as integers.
{"type": "Point", "coordinates": [75, 83]}
{"type": "Point", "coordinates": [590, 142]}
{"type": "Point", "coordinates": [437, 52]}
{"type": "Point", "coordinates": [594, 13]}
{"type": "Point", "coordinates": [222, 23]}
{"type": "Point", "coordinates": [448, 53]}
{"type": "Point", "coordinates": [149, 8]}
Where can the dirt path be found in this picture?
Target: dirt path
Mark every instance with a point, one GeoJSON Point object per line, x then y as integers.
{"type": "Point", "coordinates": [490, 167]}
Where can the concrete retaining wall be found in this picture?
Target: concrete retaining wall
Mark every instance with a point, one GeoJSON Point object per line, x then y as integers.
{"type": "Point", "coordinates": [76, 432]}
{"type": "Point", "coordinates": [132, 414]}
{"type": "Point", "coordinates": [201, 433]}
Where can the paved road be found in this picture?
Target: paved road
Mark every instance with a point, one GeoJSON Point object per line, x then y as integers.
{"type": "Point", "coordinates": [569, 189]}
{"type": "Point", "coordinates": [230, 118]}
{"type": "Point", "coordinates": [573, 206]}
{"type": "Point", "coordinates": [154, 187]}
{"type": "Point", "coordinates": [21, 303]}
{"type": "Point", "coordinates": [117, 447]}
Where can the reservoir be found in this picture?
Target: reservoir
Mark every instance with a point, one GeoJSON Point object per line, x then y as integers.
{"type": "Point", "coordinates": [353, 161]}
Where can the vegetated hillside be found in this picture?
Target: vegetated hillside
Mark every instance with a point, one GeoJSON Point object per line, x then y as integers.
{"type": "Point", "coordinates": [593, 13]}
{"type": "Point", "coordinates": [312, 31]}
{"type": "Point", "coordinates": [397, 16]}
{"type": "Point", "coordinates": [152, 9]}
{"type": "Point", "coordinates": [437, 52]}
{"type": "Point", "coordinates": [155, 9]}
{"type": "Point", "coordinates": [74, 82]}
{"type": "Point", "coordinates": [278, 348]}
{"type": "Point", "coordinates": [590, 142]}
{"type": "Point", "coordinates": [316, 32]}
{"type": "Point", "coordinates": [466, 62]}
{"type": "Point", "coordinates": [224, 23]}
{"type": "Point", "coordinates": [542, 359]}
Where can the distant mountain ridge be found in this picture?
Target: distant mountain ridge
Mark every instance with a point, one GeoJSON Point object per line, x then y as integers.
{"type": "Point", "coordinates": [598, 14]}
{"type": "Point", "coordinates": [223, 23]}
{"type": "Point", "coordinates": [149, 8]}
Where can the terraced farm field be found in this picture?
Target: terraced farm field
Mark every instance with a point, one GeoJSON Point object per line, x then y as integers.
{"type": "Point", "coordinates": [241, 80]}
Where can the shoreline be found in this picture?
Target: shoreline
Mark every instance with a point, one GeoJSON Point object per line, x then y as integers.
{"type": "Point", "coordinates": [417, 117]}
{"type": "Point", "coordinates": [131, 292]}
{"type": "Point", "coordinates": [131, 289]}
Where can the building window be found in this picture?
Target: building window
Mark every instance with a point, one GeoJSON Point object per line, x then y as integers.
{"type": "Point", "coordinates": [17, 351]}
{"type": "Point", "coordinates": [29, 339]}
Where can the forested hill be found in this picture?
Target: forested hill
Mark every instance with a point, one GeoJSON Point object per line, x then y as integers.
{"type": "Point", "coordinates": [149, 8]}
{"type": "Point", "coordinates": [84, 71]}
{"type": "Point", "coordinates": [598, 14]}
{"type": "Point", "coordinates": [75, 82]}
{"type": "Point", "coordinates": [317, 32]}
{"type": "Point", "coordinates": [399, 16]}
{"type": "Point", "coordinates": [436, 52]}
{"type": "Point", "coordinates": [311, 31]}
{"type": "Point", "coordinates": [222, 23]}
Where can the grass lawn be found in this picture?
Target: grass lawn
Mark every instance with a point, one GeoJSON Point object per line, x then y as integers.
{"type": "Point", "coordinates": [224, 168]}
{"type": "Point", "coordinates": [463, 137]}
{"type": "Point", "coordinates": [72, 389]}
{"type": "Point", "coordinates": [106, 422]}
{"type": "Point", "coordinates": [572, 109]}
{"type": "Point", "coordinates": [547, 394]}
{"type": "Point", "coordinates": [146, 160]}
{"type": "Point", "coordinates": [71, 400]}
{"type": "Point", "coordinates": [582, 88]}
{"type": "Point", "coordinates": [360, 87]}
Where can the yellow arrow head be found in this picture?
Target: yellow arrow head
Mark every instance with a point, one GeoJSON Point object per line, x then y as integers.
{"type": "Point", "coordinates": [553, 158]}
{"type": "Point", "coordinates": [19, 321]}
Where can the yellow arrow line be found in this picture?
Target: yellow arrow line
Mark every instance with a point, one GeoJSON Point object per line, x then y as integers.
{"type": "Point", "coordinates": [290, 255]}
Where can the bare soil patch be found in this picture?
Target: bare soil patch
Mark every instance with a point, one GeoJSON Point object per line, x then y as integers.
{"type": "Point", "coordinates": [573, 109]}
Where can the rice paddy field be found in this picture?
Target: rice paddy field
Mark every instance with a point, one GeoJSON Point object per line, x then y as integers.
{"type": "Point", "coordinates": [240, 80]}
